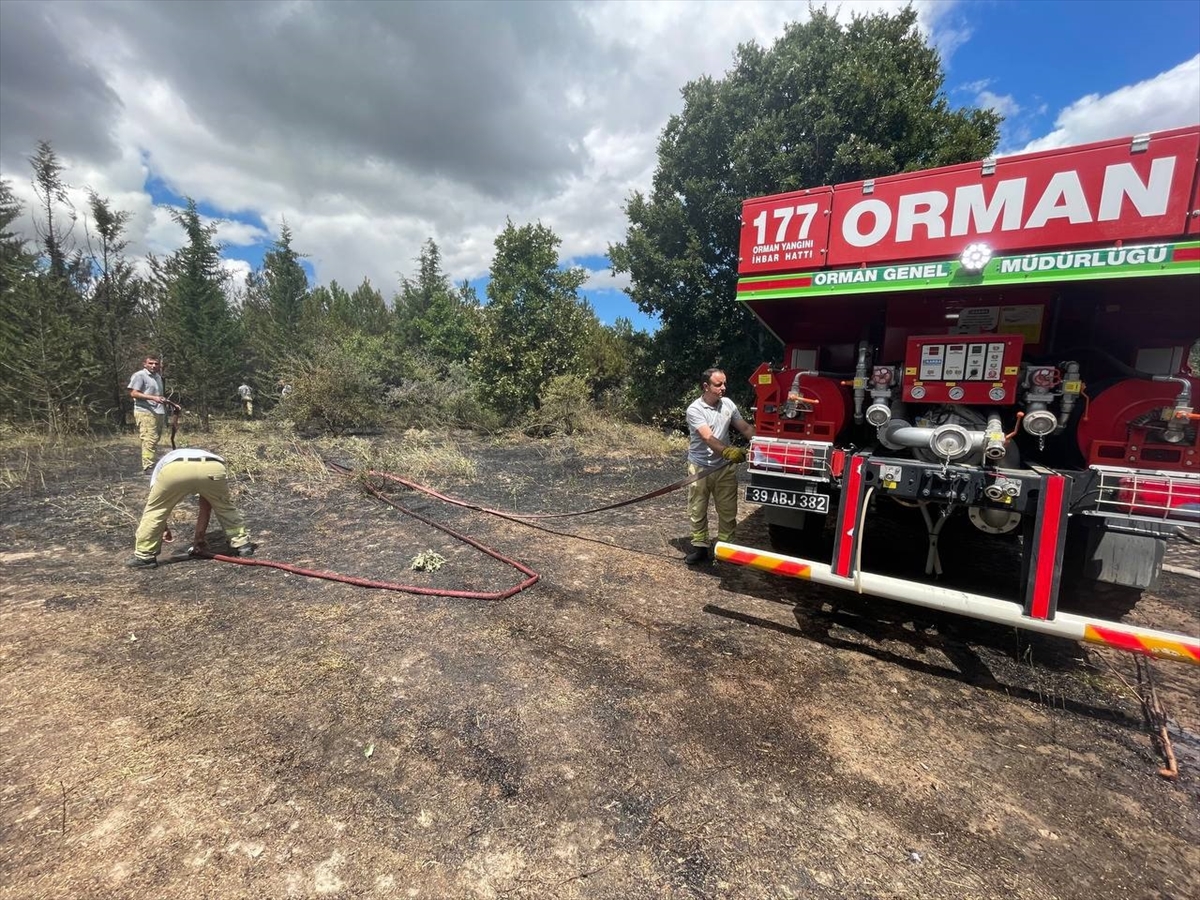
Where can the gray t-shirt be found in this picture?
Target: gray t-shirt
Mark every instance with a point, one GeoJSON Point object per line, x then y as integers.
{"type": "Point", "coordinates": [147, 383]}
{"type": "Point", "coordinates": [719, 418]}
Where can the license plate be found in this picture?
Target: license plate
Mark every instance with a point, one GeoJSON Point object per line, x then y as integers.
{"type": "Point", "coordinates": [815, 503]}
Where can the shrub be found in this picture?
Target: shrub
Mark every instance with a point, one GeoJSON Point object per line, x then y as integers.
{"type": "Point", "coordinates": [338, 388]}
{"type": "Point", "coordinates": [428, 395]}
{"type": "Point", "coordinates": [564, 407]}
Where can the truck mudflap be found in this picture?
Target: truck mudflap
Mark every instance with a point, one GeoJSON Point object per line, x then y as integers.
{"type": "Point", "coordinates": [1131, 638]}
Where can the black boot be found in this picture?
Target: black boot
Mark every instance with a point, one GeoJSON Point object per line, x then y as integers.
{"type": "Point", "coordinates": [698, 555]}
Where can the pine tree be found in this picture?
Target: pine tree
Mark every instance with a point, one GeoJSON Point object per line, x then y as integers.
{"type": "Point", "coordinates": [112, 304]}
{"type": "Point", "coordinates": [199, 331]}
{"type": "Point", "coordinates": [434, 319]}
{"type": "Point", "coordinates": [50, 363]}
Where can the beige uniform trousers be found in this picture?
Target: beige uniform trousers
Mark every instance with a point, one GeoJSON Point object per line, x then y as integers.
{"type": "Point", "coordinates": [182, 478]}
{"type": "Point", "coordinates": [721, 486]}
{"type": "Point", "coordinates": [150, 429]}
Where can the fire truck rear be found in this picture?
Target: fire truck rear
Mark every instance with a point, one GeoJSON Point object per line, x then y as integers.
{"type": "Point", "coordinates": [999, 346]}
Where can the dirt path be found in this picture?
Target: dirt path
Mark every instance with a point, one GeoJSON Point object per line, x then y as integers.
{"type": "Point", "coordinates": [627, 728]}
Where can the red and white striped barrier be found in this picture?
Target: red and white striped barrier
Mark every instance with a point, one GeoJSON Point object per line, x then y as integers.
{"type": "Point", "coordinates": [1132, 638]}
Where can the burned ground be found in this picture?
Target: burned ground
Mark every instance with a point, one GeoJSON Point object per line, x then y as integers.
{"type": "Point", "coordinates": [626, 728]}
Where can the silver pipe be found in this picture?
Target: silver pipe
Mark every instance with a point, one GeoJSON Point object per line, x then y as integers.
{"type": "Point", "coordinates": [994, 446]}
{"type": "Point", "coordinates": [1068, 399]}
{"type": "Point", "coordinates": [1185, 390]}
{"type": "Point", "coordinates": [1183, 406]}
{"type": "Point", "coordinates": [860, 381]}
{"type": "Point", "coordinates": [897, 433]}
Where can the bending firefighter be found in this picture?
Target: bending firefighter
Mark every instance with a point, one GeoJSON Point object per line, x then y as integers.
{"type": "Point", "coordinates": [709, 420]}
{"type": "Point", "coordinates": [179, 474]}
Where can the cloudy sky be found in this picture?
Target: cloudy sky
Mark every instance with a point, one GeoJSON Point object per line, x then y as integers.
{"type": "Point", "coordinates": [370, 127]}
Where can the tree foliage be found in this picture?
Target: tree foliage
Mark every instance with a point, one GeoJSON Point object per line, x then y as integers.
{"type": "Point", "coordinates": [273, 310]}
{"type": "Point", "coordinates": [199, 332]}
{"type": "Point", "coordinates": [49, 361]}
{"type": "Point", "coordinates": [112, 304]}
{"type": "Point", "coordinates": [827, 103]}
{"type": "Point", "coordinates": [534, 326]}
{"type": "Point", "coordinates": [16, 272]}
{"type": "Point", "coordinates": [336, 387]}
{"type": "Point", "coordinates": [434, 318]}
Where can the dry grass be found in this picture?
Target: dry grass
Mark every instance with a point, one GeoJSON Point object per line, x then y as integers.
{"type": "Point", "coordinates": [602, 436]}
{"type": "Point", "coordinates": [262, 449]}
{"type": "Point", "coordinates": [28, 460]}
{"type": "Point", "coordinates": [265, 451]}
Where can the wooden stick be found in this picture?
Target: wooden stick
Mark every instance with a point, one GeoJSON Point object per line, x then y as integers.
{"type": "Point", "coordinates": [1164, 741]}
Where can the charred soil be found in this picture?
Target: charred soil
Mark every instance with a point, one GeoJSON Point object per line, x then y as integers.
{"type": "Point", "coordinates": [628, 727]}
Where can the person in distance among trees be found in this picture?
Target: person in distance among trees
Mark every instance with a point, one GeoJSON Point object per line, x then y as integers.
{"type": "Point", "coordinates": [246, 393]}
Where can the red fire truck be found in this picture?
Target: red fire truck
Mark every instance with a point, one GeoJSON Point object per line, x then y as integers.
{"type": "Point", "coordinates": [1000, 347]}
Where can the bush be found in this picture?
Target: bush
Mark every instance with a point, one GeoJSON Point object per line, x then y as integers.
{"type": "Point", "coordinates": [429, 396]}
{"type": "Point", "coordinates": [337, 389]}
{"type": "Point", "coordinates": [564, 407]}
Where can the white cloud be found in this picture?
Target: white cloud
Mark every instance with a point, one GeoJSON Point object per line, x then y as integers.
{"type": "Point", "coordinates": [974, 87]}
{"type": "Point", "coordinates": [1169, 100]}
{"type": "Point", "coordinates": [1001, 103]}
{"type": "Point", "coordinates": [237, 270]}
{"type": "Point", "coordinates": [237, 234]}
{"type": "Point", "coordinates": [370, 128]}
{"type": "Point", "coordinates": [605, 280]}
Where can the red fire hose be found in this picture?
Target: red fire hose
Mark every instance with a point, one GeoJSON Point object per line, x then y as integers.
{"type": "Point", "coordinates": [532, 576]}
{"type": "Point", "coordinates": [529, 581]}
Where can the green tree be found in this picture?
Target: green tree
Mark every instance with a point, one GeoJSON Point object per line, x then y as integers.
{"type": "Point", "coordinates": [450, 329]}
{"type": "Point", "coordinates": [112, 303]}
{"type": "Point", "coordinates": [432, 317]}
{"type": "Point", "coordinates": [612, 354]}
{"type": "Point", "coordinates": [51, 189]}
{"type": "Point", "coordinates": [417, 295]}
{"type": "Point", "coordinates": [17, 272]}
{"type": "Point", "coordinates": [49, 364]}
{"type": "Point", "coordinates": [286, 285]}
{"type": "Point", "coordinates": [198, 328]}
{"type": "Point", "coordinates": [827, 103]}
{"type": "Point", "coordinates": [364, 310]}
{"type": "Point", "coordinates": [534, 326]}
{"type": "Point", "coordinates": [273, 310]}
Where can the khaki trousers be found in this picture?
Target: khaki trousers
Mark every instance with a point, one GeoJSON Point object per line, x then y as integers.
{"type": "Point", "coordinates": [721, 486]}
{"type": "Point", "coordinates": [182, 478]}
{"type": "Point", "coordinates": [150, 429]}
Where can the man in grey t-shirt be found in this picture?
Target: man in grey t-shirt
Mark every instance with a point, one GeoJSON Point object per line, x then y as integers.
{"type": "Point", "coordinates": [710, 419]}
{"type": "Point", "coordinates": [149, 409]}
{"type": "Point", "coordinates": [246, 395]}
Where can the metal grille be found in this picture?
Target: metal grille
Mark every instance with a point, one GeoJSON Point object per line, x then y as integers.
{"type": "Point", "coordinates": [1159, 496]}
{"type": "Point", "coordinates": [803, 459]}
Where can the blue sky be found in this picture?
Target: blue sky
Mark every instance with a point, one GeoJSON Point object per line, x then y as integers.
{"type": "Point", "coordinates": [370, 128]}
{"type": "Point", "coordinates": [1047, 55]}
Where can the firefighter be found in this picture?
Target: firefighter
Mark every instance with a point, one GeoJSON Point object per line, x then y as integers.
{"type": "Point", "coordinates": [246, 393]}
{"type": "Point", "coordinates": [710, 419]}
{"type": "Point", "coordinates": [149, 408]}
{"type": "Point", "coordinates": [179, 474]}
